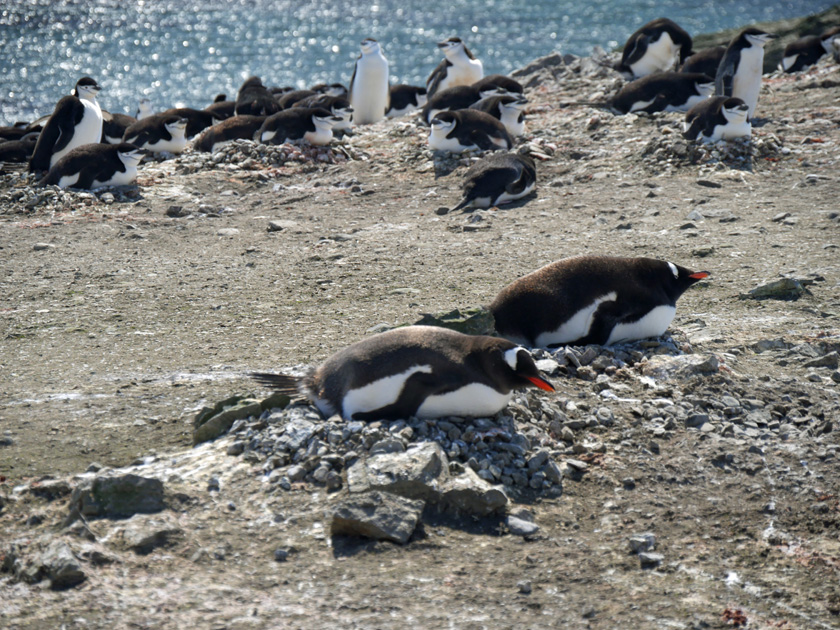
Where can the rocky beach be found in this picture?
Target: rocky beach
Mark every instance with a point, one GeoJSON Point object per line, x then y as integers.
{"type": "Point", "coordinates": [688, 481]}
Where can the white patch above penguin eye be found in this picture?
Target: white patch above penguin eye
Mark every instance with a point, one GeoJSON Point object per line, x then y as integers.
{"type": "Point", "coordinates": [511, 357]}
{"type": "Point", "coordinates": [674, 269]}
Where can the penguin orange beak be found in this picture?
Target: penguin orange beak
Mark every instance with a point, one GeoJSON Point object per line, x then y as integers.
{"type": "Point", "coordinates": [699, 275]}
{"type": "Point", "coordinates": [542, 384]}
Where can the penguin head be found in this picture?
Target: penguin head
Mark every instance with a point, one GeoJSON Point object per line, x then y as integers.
{"type": "Point", "coordinates": [444, 122]}
{"type": "Point", "coordinates": [251, 82]}
{"type": "Point", "coordinates": [491, 89]}
{"type": "Point", "coordinates": [521, 371]}
{"type": "Point", "coordinates": [511, 104]}
{"type": "Point", "coordinates": [735, 110]}
{"type": "Point", "coordinates": [145, 107]}
{"type": "Point", "coordinates": [422, 96]}
{"type": "Point", "coordinates": [335, 89]}
{"type": "Point", "coordinates": [86, 88]}
{"type": "Point", "coordinates": [175, 125]}
{"type": "Point", "coordinates": [452, 46]}
{"type": "Point", "coordinates": [756, 37]}
{"type": "Point", "coordinates": [705, 86]}
{"type": "Point", "coordinates": [220, 98]}
{"type": "Point", "coordinates": [130, 154]}
{"type": "Point", "coordinates": [322, 119]}
{"type": "Point", "coordinates": [369, 46]}
{"type": "Point", "coordinates": [677, 279]}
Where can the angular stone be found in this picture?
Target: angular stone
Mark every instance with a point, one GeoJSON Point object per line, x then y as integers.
{"type": "Point", "coordinates": [60, 565]}
{"type": "Point", "coordinates": [388, 445]}
{"type": "Point", "coordinates": [50, 489]}
{"type": "Point", "coordinates": [418, 473]}
{"type": "Point", "coordinates": [117, 497]}
{"type": "Point", "coordinates": [784, 289]}
{"type": "Point", "coordinates": [471, 321]}
{"type": "Point", "coordinates": [665, 367]}
{"type": "Point", "coordinates": [829, 360]}
{"type": "Point", "coordinates": [521, 523]}
{"type": "Point", "coordinates": [469, 494]}
{"type": "Point", "coordinates": [143, 534]}
{"type": "Point", "coordinates": [377, 515]}
{"type": "Point", "coordinates": [641, 542]}
{"type": "Point", "coordinates": [211, 422]}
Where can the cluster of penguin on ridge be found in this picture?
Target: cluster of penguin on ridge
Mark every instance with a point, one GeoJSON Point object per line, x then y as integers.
{"type": "Point", "coordinates": [426, 371]}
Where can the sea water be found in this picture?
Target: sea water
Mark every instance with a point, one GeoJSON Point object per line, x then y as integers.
{"type": "Point", "coordinates": [182, 53]}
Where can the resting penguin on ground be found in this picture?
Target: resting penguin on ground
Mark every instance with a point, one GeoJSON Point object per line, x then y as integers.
{"type": "Point", "coordinates": [459, 97]}
{"type": "Point", "coordinates": [663, 91]}
{"type": "Point", "coordinates": [158, 134]}
{"type": "Point", "coordinates": [338, 105]}
{"type": "Point", "coordinates": [806, 51]}
{"type": "Point", "coordinates": [331, 89]}
{"type": "Point", "coordinates": [290, 98]}
{"type": "Point", "coordinates": [254, 99]}
{"type": "Point", "coordinates": [592, 299]}
{"type": "Point", "coordinates": [508, 109]}
{"type": "Point", "coordinates": [500, 80]}
{"type": "Point", "coordinates": [369, 84]}
{"type": "Point", "coordinates": [298, 123]}
{"type": "Point", "coordinates": [421, 371]}
{"type": "Point", "coordinates": [221, 108]}
{"type": "Point", "coordinates": [15, 132]}
{"type": "Point", "coordinates": [114, 126]}
{"type": "Point", "coordinates": [404, 99]}
{"type": "Point", "coordinates": [18, 151]}
{"type": "Point", "coordinates": [705, 62]}
{"type": "Point", "coordinates": [657, 46]}
{"type": "Point", "coordinates": [76, 120]}
{"type": "Point", "coordinates": [197, 119]}
{"type": "Point", "coordinates": [718, 118]}
{"type": "Point", "coordinates": [497, 179]}
{"type": "Point", "coordinates": [460, 67]}
{"type": "Point", "coordinates": [95, 165]}
{"type": "Point", "coordinates": [234, 128]}
{"type": "Point", "coordinates": [740, 70]}
{"type": "Point", "coordinates": [467, 129]}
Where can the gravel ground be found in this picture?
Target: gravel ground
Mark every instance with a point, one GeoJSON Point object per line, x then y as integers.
{"type": "Point", "coordinates": [125, 312]}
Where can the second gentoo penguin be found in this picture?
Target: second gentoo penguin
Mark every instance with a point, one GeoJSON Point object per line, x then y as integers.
{"type": "Point", "coordinates": [718, 118]}
{"type": "Point", "coordinates": [592, 299]}
{"type": "Point", "coordinates": [421, 371]}
{"type": "Point", "coordinates": [657, 46]}
{"type": "Point", "coordinates": [369, 84]}
{"type": "Point", "coordinates": [458, 97]}
{"type": "Point", "coordinates": [497, 179]}
{"type": "Point", "coordinates": [76, 120]}
{"type": "Point", "coordinates": [405, 99]}
{"type": "Point", "coordinates": [740, 70]}
{"type": "Point", "coordinates": [95, 165]}
{"type": "Point", "coordinates": [806, 51]}
{"type": "Point", "coordinates": [663, 91]}
{"type": "Point", "coordinates": [705, 62]}
{"type": "Point", "coordinates": [460, 67]}
{"type": "Point", "coordinates": [158, 134]}
{"type": "Point", "coordinates": [298, 123]}
{"type": "Point", "coordinates": [254, 99]}
{"type": "Point", "coordinates": [468, 129]}
{"type": "Point", "coordinates": [508, 109]}
{"type": "Point", "coordinates": [234, 128]}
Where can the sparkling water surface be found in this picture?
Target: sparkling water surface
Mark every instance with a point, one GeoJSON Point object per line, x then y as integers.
{"type": "Point", "coordinates": [183, 53]}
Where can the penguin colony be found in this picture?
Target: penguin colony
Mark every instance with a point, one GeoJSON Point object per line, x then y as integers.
{"type": "Point", "coordinates": [425, 371]}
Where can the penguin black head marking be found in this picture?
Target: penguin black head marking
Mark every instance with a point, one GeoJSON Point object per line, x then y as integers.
{"type": "Point", "coordinates": [524, 371]}
{"type": "Point", "coordinates": [86, 88]}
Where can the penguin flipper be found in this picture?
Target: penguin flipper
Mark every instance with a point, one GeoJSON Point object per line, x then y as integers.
{"type": "Point", "coordinates": [353, 77]}
{"type": "Point", "coordinates": [519, 184]}
{"type": "Point", "coordinates": [70, 113]}
{"type": "Point", "coordinates": [724, 77]}
{"type": "Point", "coordinates": [433, 82]}
{"type": "Point", "coordinates": [636, 51]}
{"type": "Point", "coordinates": [482, 140]}
{"type": "Point", "coordinates": [40, 160]}
{"type": "Point", "coordinates": [416, 389]}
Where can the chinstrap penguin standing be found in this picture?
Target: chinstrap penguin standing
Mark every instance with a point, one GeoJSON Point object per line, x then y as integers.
{"type": "Point", "coordinates": [421, 371]}
{"type": "Point", "coordinates": [467, 129]}
{"type": "Point", "coordinates": [234, 128]}
{"type": "Point", "coordinates": [298, 123]}
{"type": "Point", "coordinates": [369, 84]}
{"type": "Point", "coordinates": [657, 46]}
{"type": "Point", "coordinates": [592, 300]}
{"type": "Point", "coordinates": [158, 134]}
{"type": "Point", "coordinates": [459, 97]}
{"type": "Point", "coordinates": [740, 70]}
{"type": "Point", "coordinates": [663, 91]}
{"type": "Point", "coordinates": [144, 109]}
{"type": "Point", "coordinates": [806, 51]}
{"type": "Point", "coordinates": [497, 179]}
{"type": "Point", "coordinates": [459, 67]}
{"type": "Point", "coordinates": [705, 62]}
{"type": "Point", "coordinates": [254, 99]}
{"type": "Point", "coordinates": [508, 109]}
{"type": "Point", "coordinates": [76, 120]}
{"type": "Point", "coordinates": [405, 99]}
{"type": "Point", "coordinates": [718, 118]}
{"type": "Point", "coordinates": [94, 166]}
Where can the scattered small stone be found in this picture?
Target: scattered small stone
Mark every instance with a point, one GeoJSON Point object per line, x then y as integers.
{"type": "Point", "coordinates": [39, 247]}
{"type": "Point", "coordinates": [650, 560]}
{"type": "Point", "coordinates": [524, 587]}
{"type": "Point", "coordinates": [639, 543]}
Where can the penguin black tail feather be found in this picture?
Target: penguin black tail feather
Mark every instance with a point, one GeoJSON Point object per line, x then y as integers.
{"type": "Point", "coordinates": [463, 205]}
{"type": "Point", "coordinates": [282, 383]}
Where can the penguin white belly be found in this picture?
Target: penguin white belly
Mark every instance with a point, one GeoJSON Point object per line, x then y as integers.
{"type": "Point", "coordinates": [474, 400]}
{"type": "Point", "coordinates": [640, 105]}
{"type": "Point", "coordinates": [691, 102]}
{"type": "Point", "coordinates": [746, 84]}
{"type": "Point", "coordinates": [176, 145]}
{"type": "Point", "coordinates": [319, 137]}
{"type": "Point", "coordinates": [67, 181]}
{"type": "Point", "coordinates": [507, 197]}
{"type": "Point", "coordinates": [514, 126]}
{"type": "Point", "coordinates": [439, 142]}
{"type": "Point", "coordinates": [788, 62]}
{"type": "Point", "coordinates": [731, 131]}
{"type": "Point", "coordinates": [265, 137]}
{"type": "Point", "coordinates": [118, 179]}
{"type": "Point", "coordinates": [464, 72]}
{"type": "Point", "coordinates": [576, 326]}
{"type": "Point", "coordinates": [660, 55]}
{"type": "Point", "coordinates": [88, 131]}
{"type": "Point", "coordinates": [396, 113]}
{"type": "Point", "coordinates": [654, 324]}
{"type": "Point", "coordinates": [379, 393]}
{"type": "Point", "coordinates": [369, 97]}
